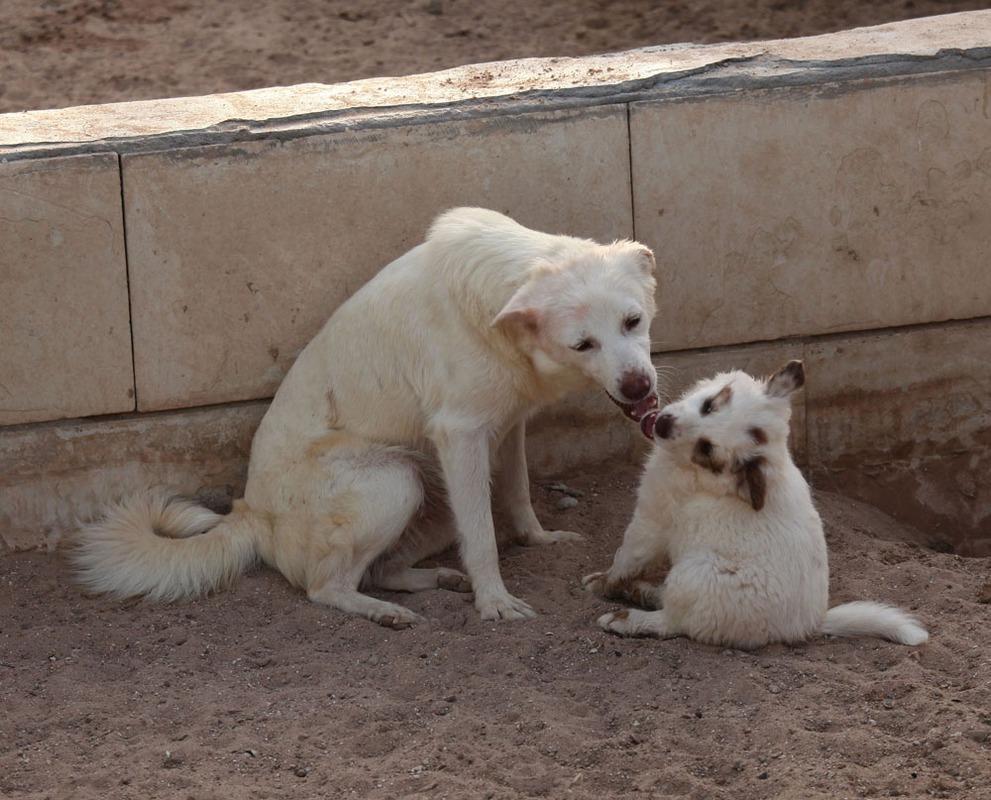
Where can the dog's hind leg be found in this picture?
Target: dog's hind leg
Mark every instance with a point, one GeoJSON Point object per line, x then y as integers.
{"type": "Point", "coordinates": [369, 517]}
{"type": "Point", "coordinates": [338, 589]}
{"type": "Point", "coordinates": [413, 579]}
{"type": "Point", "coordinates": [512, 491]}
{"type": "Point", "coordinates": [430, 534]}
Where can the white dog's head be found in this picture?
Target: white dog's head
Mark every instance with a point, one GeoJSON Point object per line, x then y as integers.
{"type": "Point", "coordinates": [732, 429]}
{"type": "Point", "coordinates": [586, 317]}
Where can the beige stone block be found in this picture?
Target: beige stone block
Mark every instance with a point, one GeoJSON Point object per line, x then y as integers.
{"type": "Point", "coordinates": [65, 346]}
{"type": "Point", "coordinates": [578, 432]}
{"type": "Point", "coordinates": [239, 254]}
{"type": "Point", "coordinates": [903, 420]}
{"type": "Point", "coordinates": [901, 395]}
{"type": "Point", "coordinates": [808, 211]}
{"type": "Point", "coordinates": [54, 475]}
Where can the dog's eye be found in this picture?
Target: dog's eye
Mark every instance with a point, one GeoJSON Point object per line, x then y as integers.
{"type": "Point", "coordinates": [632, 322]}
{"type": "Point", "coordinates": [707, 406]}
{"type": "Point", "coordinates": [584, 345]}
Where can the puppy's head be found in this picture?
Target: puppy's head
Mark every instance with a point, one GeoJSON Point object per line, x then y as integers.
{"type": "Point", "coordinates": [585, 315]}
{"type": "Point", "coordinates": [733, 430]}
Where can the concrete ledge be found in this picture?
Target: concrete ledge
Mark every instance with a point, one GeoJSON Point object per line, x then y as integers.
{"type": "Point", "coordinates": [825, 198]}
{"type": "Point", "coordinates": [58, 474]}
{"type": "Point", "coordinates": [928, 45]}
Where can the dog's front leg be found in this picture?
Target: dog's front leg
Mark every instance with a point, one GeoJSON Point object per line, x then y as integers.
{"type": "Point", "coordinates": [513, 492]}
{"type": "Point", "coordinates": [464, 458]}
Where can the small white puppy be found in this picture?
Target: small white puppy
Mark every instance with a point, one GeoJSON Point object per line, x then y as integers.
{"type": "Point", "coordinates": [724, 504]}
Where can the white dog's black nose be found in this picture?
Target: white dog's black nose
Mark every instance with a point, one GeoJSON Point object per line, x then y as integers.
{"type": "Point", "coordinates": [635, 386]}
{"type": "Point", "coordinates": [664, 426]}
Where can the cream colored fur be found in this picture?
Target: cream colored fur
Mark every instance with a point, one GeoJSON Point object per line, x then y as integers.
{"type": "Point", "coordinates": [722, 502]}
{"type": "Point", "coordinates": [379, 447]}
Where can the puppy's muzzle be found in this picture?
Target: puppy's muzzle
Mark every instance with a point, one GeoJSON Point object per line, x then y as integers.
{"type": "Point", "coordinates": [664, 426]}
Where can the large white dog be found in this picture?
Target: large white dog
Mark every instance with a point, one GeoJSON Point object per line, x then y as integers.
{"type": "Point", "coordinates": [722, 502]}
{"type": "Point", "coordinates": [378, 448]}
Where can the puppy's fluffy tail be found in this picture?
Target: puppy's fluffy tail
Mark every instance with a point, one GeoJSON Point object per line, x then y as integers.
{"type": "Point", "coordinates": [864, 618]}
{"type": "Point", "coordinates": [162, 548]}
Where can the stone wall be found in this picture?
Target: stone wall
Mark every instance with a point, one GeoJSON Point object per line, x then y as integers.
{"type": "Point", "coordinates": [825, 198]}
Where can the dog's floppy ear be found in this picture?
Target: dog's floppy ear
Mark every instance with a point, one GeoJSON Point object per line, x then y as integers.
{"type": "Point", "coordinates": [786, 380]}
{"type": "Point", "coordinates": [519, 310]}
{"type": "Point", "coordinates": [525, 307]}
{"type": "Point", "coordinates": [751, 483]}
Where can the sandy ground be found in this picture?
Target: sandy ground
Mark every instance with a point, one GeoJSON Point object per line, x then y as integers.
{"type": "Point", "coordinates": [257, 693]}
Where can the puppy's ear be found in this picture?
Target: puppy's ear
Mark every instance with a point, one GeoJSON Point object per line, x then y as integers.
{"type": "Point", "coordinates": [751, 482]}
{"type": "Point", "coordinates": [645, 258]}
{"type": "Point", "coordinates": [786, 380]}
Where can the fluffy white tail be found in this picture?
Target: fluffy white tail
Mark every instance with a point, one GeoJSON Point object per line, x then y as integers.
{"type": "Point", "coordinates": [864, 618]}
{"type": "Point", "coordinates": [161, 548]}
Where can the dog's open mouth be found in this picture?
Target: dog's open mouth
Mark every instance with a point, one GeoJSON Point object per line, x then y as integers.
{"type": "Point", "coordinates": [642, 411]}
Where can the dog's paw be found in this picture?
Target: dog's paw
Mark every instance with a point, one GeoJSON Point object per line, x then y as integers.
{"type": "Point", "coordinates": [452, 580]}
{"type": "Point", "coordinates": [502, 606]}
{"type": "Point", "coordinates": [538, 537]}
{"type": "Point", "coordinates": [390, 615]}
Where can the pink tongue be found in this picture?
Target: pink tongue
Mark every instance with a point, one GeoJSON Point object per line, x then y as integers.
{"type": "Point", "coordinates": [637, 410]}
{"type": "Point", "coordinates": [647, 423]}
{"type": "Point", "coordinates": [644, 412]}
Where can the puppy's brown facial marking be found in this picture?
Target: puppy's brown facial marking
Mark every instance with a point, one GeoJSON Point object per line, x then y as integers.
{"type": "Point", "coordinates": [717, 401]}
{"type": "Point", "coordinates": [704, 456]}
{"type": "Point", "coordinates": [759, 435]}
{"type": "Point", "coordinates": [751, 482]}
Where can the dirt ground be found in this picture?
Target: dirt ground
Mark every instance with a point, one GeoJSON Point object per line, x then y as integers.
{"type": "Point", "coordinates": [257, 693]}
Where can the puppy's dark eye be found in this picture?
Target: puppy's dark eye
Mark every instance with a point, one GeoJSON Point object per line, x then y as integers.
{"type": "Point", "coordinates": [707, 406]}
{"type": "Point", "coordinates": [583, 345]}
{"type": "Point", "coordinates": [632, 322]}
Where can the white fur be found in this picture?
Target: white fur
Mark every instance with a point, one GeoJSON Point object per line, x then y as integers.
{"type": "Point", "coordinates": [378, 448]}
{"type": "Point", "coordinates": [723, 503]}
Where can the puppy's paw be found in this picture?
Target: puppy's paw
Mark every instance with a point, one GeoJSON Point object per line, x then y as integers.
{"type": "Point", "coordinates": [616, 622]}
{"type": "Point", "coordinates": [645, 594]}
{"type": "Point", "coordinates": [502, 605]}
{"type": "Point", "coordinates": [595, 583]}
{"type": "Point", "coordinates": [453, 580]}
{"type": "Point", "coordinates": [636, 622]}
